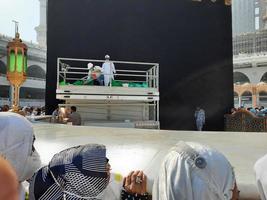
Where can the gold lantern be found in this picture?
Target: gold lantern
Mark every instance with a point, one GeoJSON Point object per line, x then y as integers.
{"type": "Point", "coordinates": [16, 66]}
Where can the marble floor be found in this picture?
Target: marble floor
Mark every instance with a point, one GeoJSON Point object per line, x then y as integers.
{"type": "Point", "coordinates": [132, 149]}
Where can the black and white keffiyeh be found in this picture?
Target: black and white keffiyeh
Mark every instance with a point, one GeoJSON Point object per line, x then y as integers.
{"type": "Point", "coordinates": [73, 174]}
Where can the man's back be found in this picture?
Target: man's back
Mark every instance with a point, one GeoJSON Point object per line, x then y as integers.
{"type": "Point", "coordinates": [200, 115]}
{"type": "Point", "coordinates": [75, 118]}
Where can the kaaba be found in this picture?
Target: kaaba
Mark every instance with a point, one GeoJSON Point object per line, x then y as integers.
{"type": "Point", "coordinates": [191, 41]}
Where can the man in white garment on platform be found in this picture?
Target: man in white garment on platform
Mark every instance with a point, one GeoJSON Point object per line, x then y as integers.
{"type": "Point", "coordinates": [108, 69]}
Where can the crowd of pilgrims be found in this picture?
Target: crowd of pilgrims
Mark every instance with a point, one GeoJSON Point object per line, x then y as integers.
{"type": "Point", "coordinates": [189, 171]}
{"type": "Point", "coordinates": [257, 111]}
{"type": "Point", "coordinates": [26, 110]}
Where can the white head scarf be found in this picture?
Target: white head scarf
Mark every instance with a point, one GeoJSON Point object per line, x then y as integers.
{"type": "Point", "coordinates": [261, 176]}
{"type": "Point", "coordinates": [16, 144]}
{"type": "Point", "coordinates": [191, 171]}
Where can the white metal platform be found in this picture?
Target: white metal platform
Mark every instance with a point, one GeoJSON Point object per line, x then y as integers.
{"type": "Point", "coordinates": [136, 99]}
{"type": "Point", "coordinates": [102, 90]}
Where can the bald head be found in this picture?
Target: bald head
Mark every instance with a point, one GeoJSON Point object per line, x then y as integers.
{"type": "Point", "coordinates": [8, 181]}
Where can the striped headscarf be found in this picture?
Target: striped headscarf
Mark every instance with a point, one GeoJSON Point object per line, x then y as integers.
{"type": "Point", "coordinates": [76, 173]}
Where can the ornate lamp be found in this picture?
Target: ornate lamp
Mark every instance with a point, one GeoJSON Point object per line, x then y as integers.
{"type": "Point", "coordinates": [16, 66]}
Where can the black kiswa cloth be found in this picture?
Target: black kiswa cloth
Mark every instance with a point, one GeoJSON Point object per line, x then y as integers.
{"type": "Point", "coordinates": [73, 174]}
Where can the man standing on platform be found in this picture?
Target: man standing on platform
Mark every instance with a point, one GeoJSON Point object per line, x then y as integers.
{"type": "Point", "coordinates": [108, 69]}
{"type": "Point", "coordinates": [75, 117]}
{"type": "Point", "coordinates": [200, 118]}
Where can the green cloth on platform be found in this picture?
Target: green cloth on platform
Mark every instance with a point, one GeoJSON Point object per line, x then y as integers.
{"type": "Point", "coordinates": [116, 83]}
{"type": "Point", "coordinates": [79, 82]}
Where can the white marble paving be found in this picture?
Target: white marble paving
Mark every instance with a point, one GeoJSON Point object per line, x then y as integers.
{"type": "Point", "coordinates": [131, 149]}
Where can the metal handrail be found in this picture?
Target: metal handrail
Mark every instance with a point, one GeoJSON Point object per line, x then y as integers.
{"type": "Point", "coordinates": [114, 61]}
{"type": "Point", "coordinates": [124, 70]}
{"type": "Point", "coordinates": [151, 75]}
{"type": "Point", "coordinates": [119, 70]}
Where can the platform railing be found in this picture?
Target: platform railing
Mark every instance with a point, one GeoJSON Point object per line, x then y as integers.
{"type": "Point", "coordinates": [71, 70]}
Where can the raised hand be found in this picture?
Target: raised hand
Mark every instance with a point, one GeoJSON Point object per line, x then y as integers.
{"type": "Point", "coordinates": [135, 182]}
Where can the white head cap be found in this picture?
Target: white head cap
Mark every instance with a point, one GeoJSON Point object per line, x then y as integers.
{"type": "Point", "coordinates": [16, 144]}
{"type": "Point", "coordinates": [107, 57]}
{"type": "Point", "coordinates": [193, 171]}
{"type": "Point", "coordinates": [89, 65]}
{"type": "Point", "coordinates": [261, 176]}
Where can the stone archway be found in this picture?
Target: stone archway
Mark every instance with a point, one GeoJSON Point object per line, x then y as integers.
{"type": "Point", "coordinates": [4, 91]}
{"type": "Point", "coordinates": [264, 78]}
{"type": "Point", "coordinates": [236, 100]}
{"type": "Point", "coordinates": [240, 78]}
{"type": "Point", "coordinates": [246, 99]}
{"type": "Point", "coordinates": [2, 67]}
{"type": "Point", "coordinates": [262, 100]}
{"type": "Point", "coordinates": [36, 71]}
{"type": "Point", "coordinates": [32, 93]}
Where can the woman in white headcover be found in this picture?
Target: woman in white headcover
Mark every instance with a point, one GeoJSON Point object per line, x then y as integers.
{"type": "Point", "coordinates": [16, 145]}
{"type": "Point", "coordinates": [260, 168]}
{"type": "Point", "coordinates": [191, 171]}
